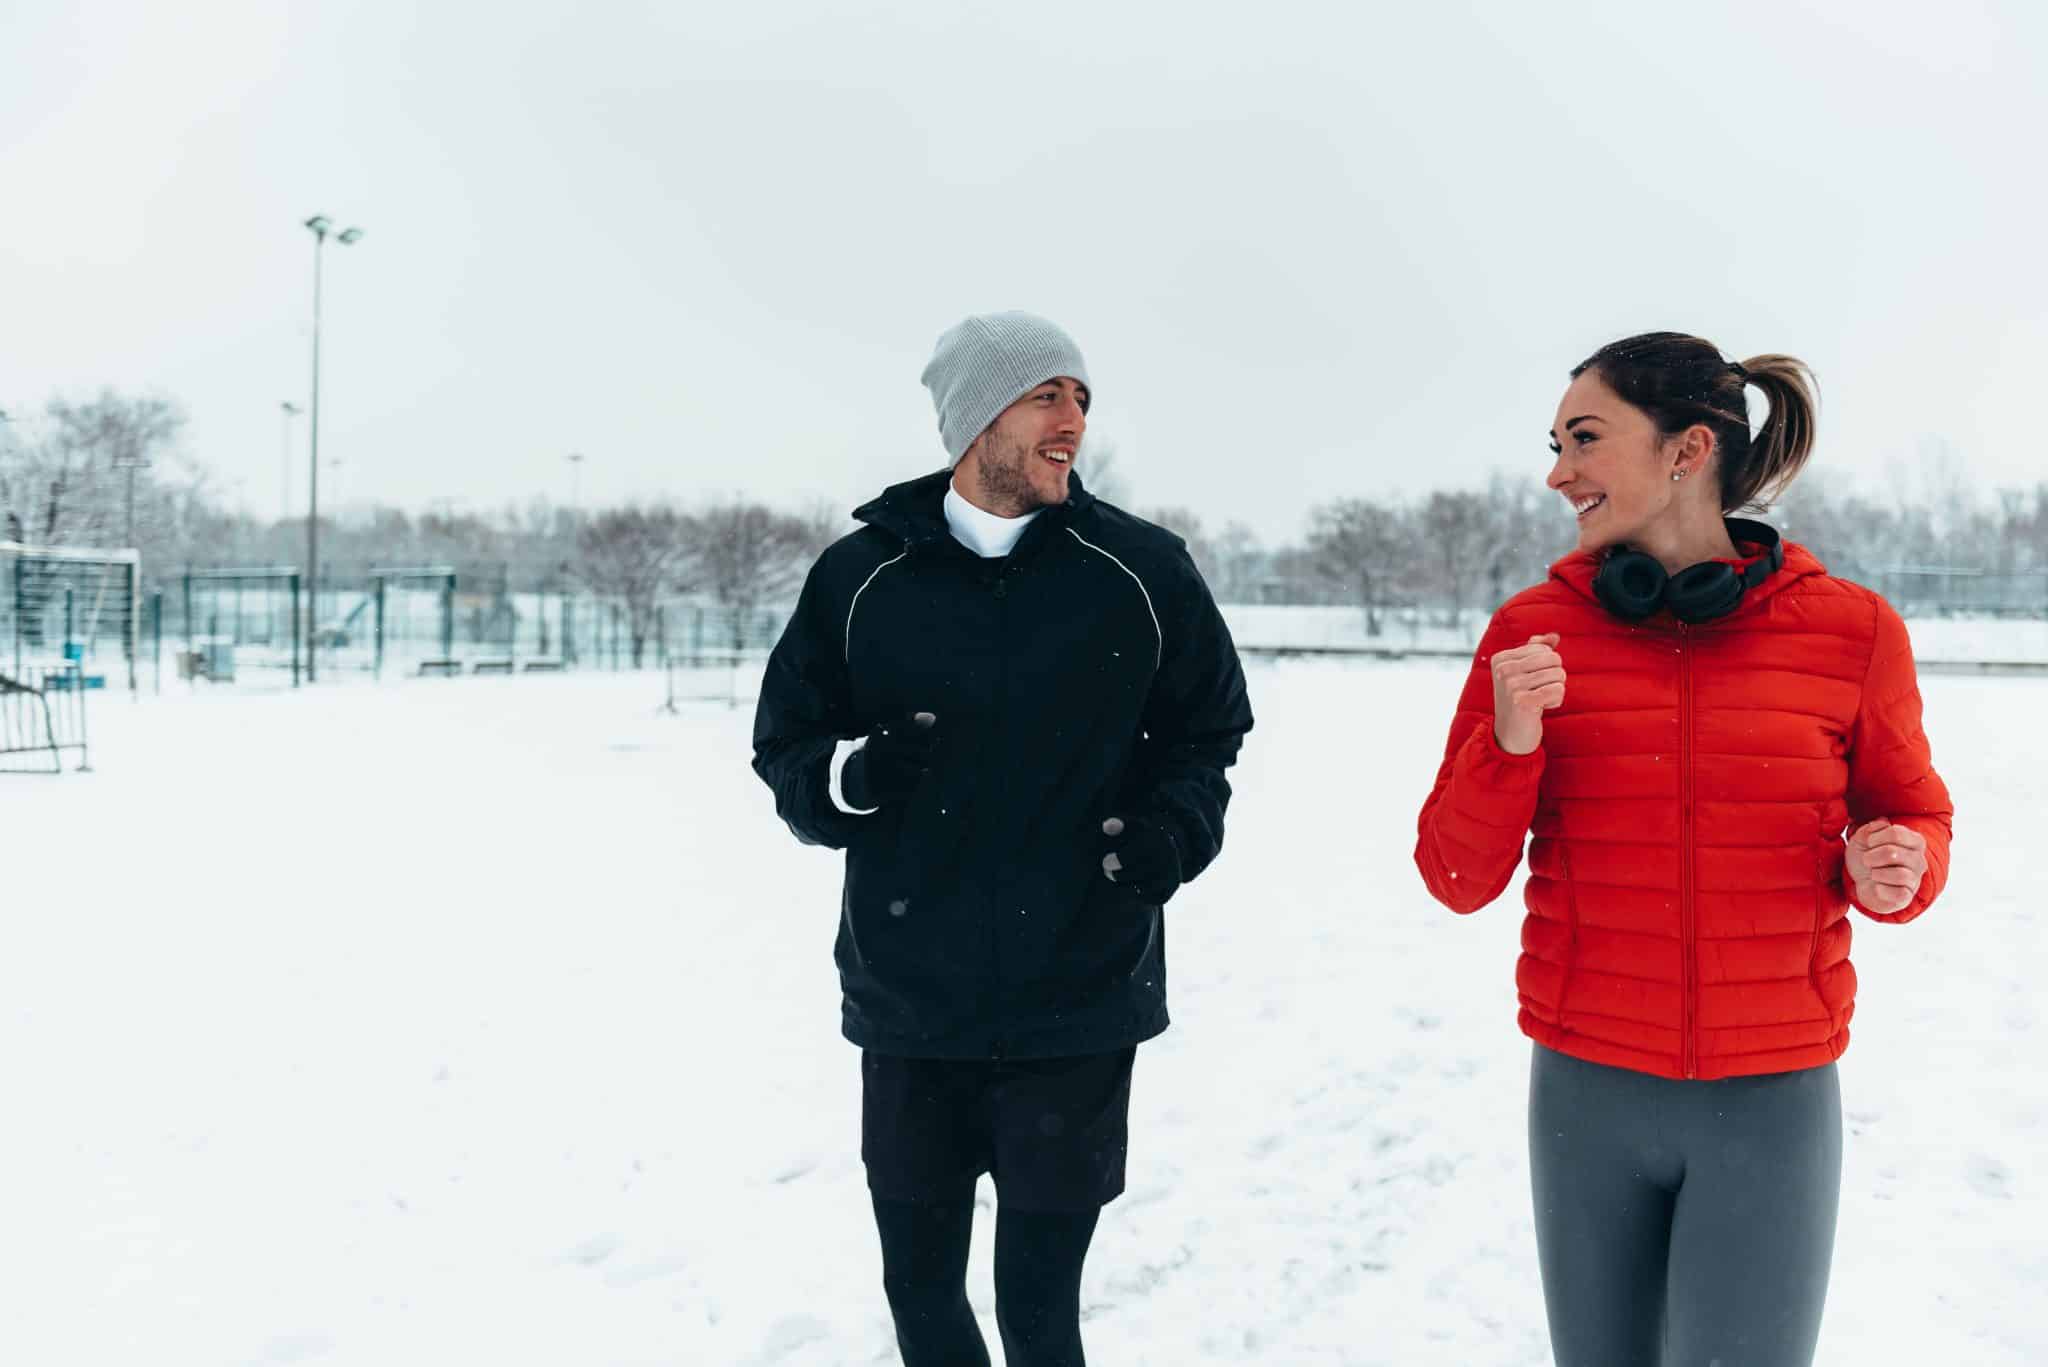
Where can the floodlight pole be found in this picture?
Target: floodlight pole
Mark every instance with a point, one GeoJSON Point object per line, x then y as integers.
{"type": "Point", "coordinates": [318, 224]}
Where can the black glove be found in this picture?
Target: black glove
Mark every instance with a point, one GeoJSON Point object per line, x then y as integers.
{"type": "Point", "coordinates": [888, 767]}
{"type": "Point", "coordinates": [1142, 856]}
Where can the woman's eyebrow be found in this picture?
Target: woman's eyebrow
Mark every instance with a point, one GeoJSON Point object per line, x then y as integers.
{"type": "Point", "coordinates": [1570, 423]}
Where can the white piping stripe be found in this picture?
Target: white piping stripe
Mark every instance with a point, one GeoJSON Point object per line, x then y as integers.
{"type": "Point", "coordinates": [848, 653]}
{"type": "Point", "coordinates": [1159, 652]}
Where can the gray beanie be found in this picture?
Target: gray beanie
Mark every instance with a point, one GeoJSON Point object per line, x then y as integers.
{"type": "Point", "coordinates": [987, 363]}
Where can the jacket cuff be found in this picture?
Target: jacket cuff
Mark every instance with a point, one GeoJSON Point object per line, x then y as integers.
{"type": "Point", "coordinates": [842, 752]}
{"type": "Point", "coordinates": [1491, 752]}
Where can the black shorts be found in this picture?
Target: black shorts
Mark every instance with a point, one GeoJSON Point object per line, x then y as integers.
{"type": "Point", "coordinates": [1052, 1132]}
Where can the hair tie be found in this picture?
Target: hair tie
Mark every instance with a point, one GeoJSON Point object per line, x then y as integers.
{"type": "Point", "coordinates": [1735, 368]}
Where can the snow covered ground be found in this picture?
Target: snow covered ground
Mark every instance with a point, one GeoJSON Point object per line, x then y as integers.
{"type": "Point", "coordinates": [494, 1021]}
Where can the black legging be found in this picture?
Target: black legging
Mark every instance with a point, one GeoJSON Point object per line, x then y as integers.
{"type": "Point", "coordinates": [1683, 1223]}
{"type": "Point", "coordinates": [1038, 1283]}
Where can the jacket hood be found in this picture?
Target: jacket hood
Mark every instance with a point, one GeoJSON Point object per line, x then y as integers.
{"type": "Point", "coordinates": [915, 510]}
{"type": "Point", "coordinates": [1577, 571]}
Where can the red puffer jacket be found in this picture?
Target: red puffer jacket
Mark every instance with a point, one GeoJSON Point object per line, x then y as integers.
{"type": "Point", "coordinates": [1688, 914]}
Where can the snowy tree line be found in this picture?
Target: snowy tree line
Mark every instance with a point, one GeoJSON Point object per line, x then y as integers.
{"type": "Point", "coordinates": [67, 471]}
{"type": "Point", "coordinates": [113, 470]}
{"type": "Point", "coordinates": [1922, 533]}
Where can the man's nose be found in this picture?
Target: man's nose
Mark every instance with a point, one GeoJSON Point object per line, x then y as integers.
{"type": "Point", "coordinates": [1071, 418]}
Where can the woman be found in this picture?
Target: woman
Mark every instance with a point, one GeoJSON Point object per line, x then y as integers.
{"type": "Point", "coordinates": [1687, 715]}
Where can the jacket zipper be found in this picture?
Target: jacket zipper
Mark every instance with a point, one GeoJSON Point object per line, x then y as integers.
{"type": "Point", "coordinates": [1687, 955]}
{"type": "Point", "coordinates": [998, 1045]}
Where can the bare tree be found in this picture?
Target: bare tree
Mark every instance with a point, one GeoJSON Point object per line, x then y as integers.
{"type": "Point", "coordinates": [20, 477]}
{"type": "Point", "coordinates": [633, 553]}
{"type": "Point", "coordinates": [823, 524]}
{"type": "Point", "coordinates": [1242, 565]}
{"type": "Point", "coordinates": [745, 554]}
{"type": "Point", "coordinates": [1097, 465]}
{"type": "Point", "coordinates": [2027, 527]}
{"type": "Point", "coordinates": [1363, 547]}
{"type": "Point", "coordinates": [1231, 562]}
{"type": "Point", "coordinates": [1187, 525]}
{"type": "Point", "coordinates": [1456, 532]}
{"type": "Point", "coordinates": [81, 474]}
{"type": "Point", "coordinates": [1521, 540]}
{"type": "Point", "coordinates": [1856, 536]}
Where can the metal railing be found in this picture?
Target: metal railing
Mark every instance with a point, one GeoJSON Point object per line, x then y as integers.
{"type": "Point", "coordinates": [43, 717]}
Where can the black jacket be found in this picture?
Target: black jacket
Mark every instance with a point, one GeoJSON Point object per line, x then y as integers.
{"type": "Point", "coordinates": [1086, 674]}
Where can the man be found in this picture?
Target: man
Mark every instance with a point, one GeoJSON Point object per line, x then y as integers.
{"type": "Point", "coordinates": [1012, 705]}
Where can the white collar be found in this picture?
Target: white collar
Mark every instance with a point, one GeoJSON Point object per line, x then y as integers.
{"type": "Point", "coordinates": [987, 535]}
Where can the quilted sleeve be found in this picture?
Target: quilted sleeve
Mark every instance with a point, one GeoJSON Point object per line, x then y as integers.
{"type": "Point", "coordinates": [1195, 720]}
{"type": "Point", "coordinates": [805, 709]}
{"type": "Point", "coordinates": [1470, 835]}
{"type": "Point", "coordinates": [1891, 772]}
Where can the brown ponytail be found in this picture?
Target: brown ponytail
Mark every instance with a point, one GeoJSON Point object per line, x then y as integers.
{"type": "Point", "coordinates": [1680, 381]}
{"type": "Point", "coordinates": [1779, 450]}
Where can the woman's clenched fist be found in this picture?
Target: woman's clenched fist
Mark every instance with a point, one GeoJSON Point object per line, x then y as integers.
{"type": "Point", "coordinates": [1527, 682]}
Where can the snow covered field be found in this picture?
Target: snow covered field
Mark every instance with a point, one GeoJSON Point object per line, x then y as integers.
{"type": "Point", "coordinates": [494, 1021]}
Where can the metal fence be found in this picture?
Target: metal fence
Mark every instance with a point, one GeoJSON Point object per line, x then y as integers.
{"type": "Point", "coordinates": [244, 623]}
{"type": "Point", "coordinates": [1950, 591]}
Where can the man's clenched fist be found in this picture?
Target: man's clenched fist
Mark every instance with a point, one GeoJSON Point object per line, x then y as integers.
{"type": "Point", "coordinates": [1142, 855]}
{"type": "Point", "coordinates": [888, 767]}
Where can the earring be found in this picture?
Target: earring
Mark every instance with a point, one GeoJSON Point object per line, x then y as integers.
{"type": "Point", "coordinates": [1677, 475]}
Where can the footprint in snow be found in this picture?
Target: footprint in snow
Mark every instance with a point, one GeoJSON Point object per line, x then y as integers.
{"type": "Point", "coordinates": [1150, 1276]}
{"type": "Point", "coordinates": [1988, 1177]}
{"type": "Point", "coordinates": [294, 1348]}
{"type": "Point", "coordinates": [790, 1333]}
{"type": "Point", "coordinates": [594, 1250]}
{"type": "Point", "coordinates": [1142, 1196]}
{"type": "Point", "coordinates": [633, 1274]}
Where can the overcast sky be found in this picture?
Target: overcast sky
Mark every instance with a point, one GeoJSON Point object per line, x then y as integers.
{"type": "Point", "coordinates": [1308, 250]}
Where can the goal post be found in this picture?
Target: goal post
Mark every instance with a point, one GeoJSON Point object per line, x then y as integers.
{"type": "Point", "coordinates": [414, 614]}
{"type": "Point", "coordinates": [63, 606]}
{"type": "Point", "coordinates": [241, 617]}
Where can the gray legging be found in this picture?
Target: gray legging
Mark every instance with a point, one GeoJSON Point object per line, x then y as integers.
{"type": "Point", "coordinates": [1684, 1223]}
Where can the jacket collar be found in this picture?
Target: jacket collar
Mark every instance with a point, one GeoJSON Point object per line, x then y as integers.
{"type": "Point", "coordinates": [915, 511]}
{"type": "Point", "coordinates": [1576, 572]}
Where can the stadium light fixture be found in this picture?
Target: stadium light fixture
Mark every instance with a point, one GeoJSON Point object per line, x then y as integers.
{"type": "Point", "coordinates": [319, 224]}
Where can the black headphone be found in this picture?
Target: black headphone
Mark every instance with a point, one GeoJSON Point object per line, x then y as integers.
{"type": "Point", "coordinates": [1633, 585]}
